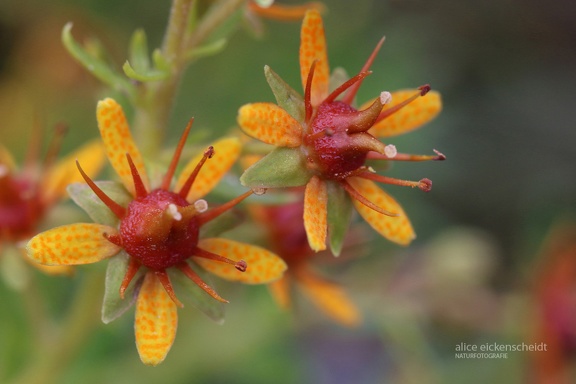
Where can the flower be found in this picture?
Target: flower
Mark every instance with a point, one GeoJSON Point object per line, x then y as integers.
{"type": "Point", "coordinates": [154, 232]}
{"type": "Point", "coordinates": [27, 194]}
{"type": "Point", "coordinates": [287, 238]}
{"type": "Point", "coordinates": [324, 142]}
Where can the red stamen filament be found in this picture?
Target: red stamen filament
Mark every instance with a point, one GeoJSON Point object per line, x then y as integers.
{"type": "Point", "coordinates": [139, 186]}
{"type": "Point", "coordinates": [165, 280]}
{"type": "Point", "coordinates": [423, 90]}
{"type": "Point", "coordinates": [133, 267]}
{"type": "Point", "coordinates": [356, 195]}
{"type": "Point", "coordinates": [407, 157]}
{"type": "Point", "coordinates": [172, 168]}
{"type": "Point", "coordinates": [192, 275]}
{"type": "Point", "coordinates": [354, 80]}
{"type": "Point", "coordinates": [307, 92]}
{"type": "Point", "coordinates": [188, 184]}
{"type": "Point", "coordinates": [118, 210]}
{"type": "Point", "coordinates": [424, 184]}
{"type": "Point", "coordinates": [213, 213]}
{"type": "Point", "coordinates": [349, 97]}
{"type": "Point", "coordinates": [239, 265]}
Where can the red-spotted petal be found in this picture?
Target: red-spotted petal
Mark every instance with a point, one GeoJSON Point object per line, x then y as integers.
{"type": "Point", "coordinates": [271, 124]}
{"type": "Point", "coordinates": [263, 265]}
{"type": "Point", "coordinates": [313, 47]}
{"type": "Point", "coordinates": [118, 142]}
{"type": "Point", "coordinates": [316, 213]}
{"type": "Point", "coordinates": [156, 321]}
{"type": "Point", "coordinates": [395, 228]}
{"type": "Point", "coordinates": [226, 152]}
{"type": "Point", "coordinates": [329, 297]}
{"type": "Point", "coordinates": [412, 116]}
{"type": "Point", "coordinates": [72, 244]}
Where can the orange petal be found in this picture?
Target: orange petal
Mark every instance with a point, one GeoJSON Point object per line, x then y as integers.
{"type": "Point", "coordinates": [263, 265]}
{"type": "Point", "coordinates": [271, 124]}
{"type": "Point", "coordinates": [280, 291]}
{"type": "Point", "coordinates": [118, 142]}
{"type": "Point", "coordinates": [226, 152]}
{"type": "Point", "coordinates": [395, 228]}
{"type": "Point", "coordinates": [412, 116]}
{"type": "Point", "coordinates": [72, 244]}
{"type": "Point", "coordinates": [330, 298]}
{"type": "Point", "coordinates": [156, 321]}
{"type": "Point", "coordinates": [315, 213]}
{"type": "Point", "coordinates": [90, 156]}
{"type": "Point", "coordinates": [313, 47]}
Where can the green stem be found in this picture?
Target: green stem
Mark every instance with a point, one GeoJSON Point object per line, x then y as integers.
{"type": "Point", "coordinates": [54, 354]}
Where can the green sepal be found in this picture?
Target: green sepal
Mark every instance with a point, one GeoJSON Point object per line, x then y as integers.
{"type": "Point", "coordinates": [339, 215]}
{"type": "Point", "coordinates": [138, 51]}
{"type": "Point", "coordinates": [283, 167]}
{"type": "Point", "coordinates": [86, 199]}
{"type": "Point", "coordinates": [190, 293]}
{"type": "Point", "coordinates": [144, 76]}
{"type": "Point", "coordinates": [113, 305]}
{"type": "Point", "coordinates": [207, 50]}
{"type": "Point", "coordinates": [95, 65]}
{"type": "Point", "coordinates": [286, 97]}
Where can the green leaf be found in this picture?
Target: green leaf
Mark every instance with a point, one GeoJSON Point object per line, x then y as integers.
{"type": "Point", "coordinates": [113, 305]}
{"type": "Point", "coordinates": [206, 50]}
{"type": "Point", "coordinates": [339, 214]}
{"type": "Point", "coordinates": [286, 97]}
{"type": "Point", "coordinates": [98, 67]}
{"type": "Point", "coordinates": [86, 199]}
{"type": "Point", "coordinates": [189, 293]}
{"type": "Point", "coordinates": [283, 167]}
{"type": "Point", "coordinates": [144, 76]}
{"type": "Point", "coordinates": [139, 51]}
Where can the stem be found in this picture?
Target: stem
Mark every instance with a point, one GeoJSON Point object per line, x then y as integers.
{"type": "Point", "coordinates": [53, 355]}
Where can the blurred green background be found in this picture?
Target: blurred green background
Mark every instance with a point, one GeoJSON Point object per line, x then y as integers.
{"type": "Point", "coordinates": [506, 71]}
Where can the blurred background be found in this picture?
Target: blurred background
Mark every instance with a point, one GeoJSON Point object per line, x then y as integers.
{"type": "Point", "coordinates": [495, 257]}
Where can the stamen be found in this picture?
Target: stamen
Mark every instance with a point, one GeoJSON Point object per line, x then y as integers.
{"type": "Point", "coordinates": [356, 195]}
{"type": "Point", "coordinates": [172, 168]}
{"type": "Point", "coordinates": [423, 90]}
{"type": "Point", "coordinates": [213, 213]}
{"type": "Point", "coordinates": [349, 97]}
{"type": "Point", "coordinates": [385, 97]}
{"type": "Point", "coordinates": [424, 184]}
{"type": "Point", "coordinates": [133, 267]}
{"type": "Point", "coordinates": [172, 210]}
{"type": "Point", "coordinates": [139, 186]}
{"type": "Point", "coordinates": [407, 157]}
{"type": "Point", "coordinates": [201, 205]}
{"type": "Point", "coordinates": [188, 184]}
{"type": "Point", "coordinates": [118, 210]}
{"type": "Point", "coordinates": [192, 275]}
{"type": "Point", "coordinates": [307, 92]}
{"type": "Point", "coordinates": [390, 151]}
{"type": "Point", "coordinates": [240, 265]}
{"type": "Point", "coordinates": [345, 86]}
{"type": "Point", "coordinates": [165, 280]}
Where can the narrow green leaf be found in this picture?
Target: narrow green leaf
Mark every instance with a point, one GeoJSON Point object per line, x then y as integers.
{"type": "Point", "coordinates": [206, 50]}
{"type": "Point", "coordinates": [160, 62]}
{"type": "Point", "coordinates": [339, 215]}
{"type": "Point", "coordinates": [139, 51]}
{"type": "Point", "coordinates": [189, 293]}
{"type": "Point", "coordinates": [283, 167]}
{"type": "Point", "coordinates": [113, 305]}
{"type": "Point", "coordinates": [286, 97]}
{"type": "Point", "coordinates": [100, 69]}
{"type": "Point", "coordinates": [86, 199]}
{"type": "Point", "coordinates": [144, 76]}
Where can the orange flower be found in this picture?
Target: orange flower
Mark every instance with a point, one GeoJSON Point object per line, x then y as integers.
{"type": "Point", "coordinates": [28, 194]}
{"type": "Point", "coordinates": [155, 232]}
{"type": "Point", "coordinates": [324, 141]}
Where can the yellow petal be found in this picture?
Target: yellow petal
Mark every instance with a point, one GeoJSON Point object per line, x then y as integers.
{"type": "Point", "coordinates": [90, 156]}
{"type": "Point", "coordinates": [72, 244]}
{"type": "Point", "coordinates": [118, 142]}
{"type": "Point", "coordinates": [412, 116]}
{"type": "Point", "coordinates": [271, 124]}
{"type": "Point", "coordinates": [6, 160]}
{"type": "Point", "coordinates": [313, 47]}
{"type": "Point", "coordinates": [316, 213]}
{"type": "Point", "coordinates": [156, 321]}
{"type": "Point", "coordinates": [226, 152]}
{"type": "Point", "coordinates": [263, 265]}
{"type": "Point", "coordinates": [330, 298]}
{"type": "Point", "coordinates": [395, 228]}
{"type": "Point", "coordinates": [280, 291]}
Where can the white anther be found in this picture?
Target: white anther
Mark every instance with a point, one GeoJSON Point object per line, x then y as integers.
{"type": "Point", "coordinates": [390, 151]}
{"type": "Point", "coordinates": [385, 97]}
{"type": "Point", "coordinates": [173, 211]}
{"type": "Point", "coordinates": [201, 205]}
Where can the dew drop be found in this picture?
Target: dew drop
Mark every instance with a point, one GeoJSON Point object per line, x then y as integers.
{"type": "Point", "coordinates": [259, 191]}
